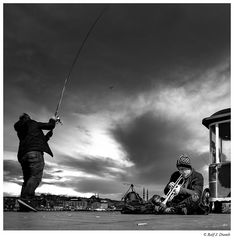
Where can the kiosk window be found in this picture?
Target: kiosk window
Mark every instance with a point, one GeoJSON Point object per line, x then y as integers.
{"type": "Point", "coordinates": [212, 144]}
{"type": "Point", "coordinates": [225, 141]}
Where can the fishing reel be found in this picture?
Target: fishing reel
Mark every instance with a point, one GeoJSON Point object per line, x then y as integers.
{"type": "Point", "coordinates": [57, 119]}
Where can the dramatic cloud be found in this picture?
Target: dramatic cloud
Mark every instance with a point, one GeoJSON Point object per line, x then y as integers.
{"type": "Point", "coordinates": [96, 166]}
{"type": "Point", "coordinates": [153, 145]}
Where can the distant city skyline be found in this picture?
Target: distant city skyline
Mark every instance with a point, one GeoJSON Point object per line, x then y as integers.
{"type": "Point", "coordinates": [146, 77]}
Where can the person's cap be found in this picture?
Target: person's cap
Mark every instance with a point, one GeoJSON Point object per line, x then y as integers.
{"type": "Point", "coordinates": [184, 161]}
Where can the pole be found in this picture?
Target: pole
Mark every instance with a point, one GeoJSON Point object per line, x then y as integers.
{"type": "Point", "coordinates": [76, 59]}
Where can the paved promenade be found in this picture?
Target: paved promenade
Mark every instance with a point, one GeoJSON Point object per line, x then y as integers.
{"type": "Point", "coordinates": [112, 221]}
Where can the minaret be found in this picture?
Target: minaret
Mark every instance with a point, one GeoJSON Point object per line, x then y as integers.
{"type": "Point", "coordinates": [143, 193]}
{"type": "Point", "coordinates": [147, 195]}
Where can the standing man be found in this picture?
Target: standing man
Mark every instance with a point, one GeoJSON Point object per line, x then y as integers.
{"type": "Point", "coordinates": [188, 193]}
{"type": "Point", "coordinates": [32, 145]}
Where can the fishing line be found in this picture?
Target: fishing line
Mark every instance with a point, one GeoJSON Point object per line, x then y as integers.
{"type": "Point", "coordinates": [76, 59]}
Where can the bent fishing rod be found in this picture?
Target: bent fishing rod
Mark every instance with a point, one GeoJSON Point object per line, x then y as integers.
{"type": "Point", "coordinates": [75, 60]}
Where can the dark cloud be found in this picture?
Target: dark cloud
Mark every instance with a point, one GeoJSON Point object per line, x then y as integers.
{"type": "Point", "coordinates": [47, 175]}
{"type": "Point", "coordinates": [87, 185]}
{"type": "Point", "coordinates": [101, 167]}
{"type": "Point", "coordinates": [107, 180]}
{"type": "Point", "coordinates": [99, 186]}
{"type": "Point", "coordinates": [52, 174]}
{"type": "Point", "coordinates": [12, 171]}
{"type": "Point", "coordinates": [52, 169]}
{"type": "Point", "coordinates": [131, 44]}
{"type": "Point", "coordinates": [153, 145]}
{"type": "Point", "coordinates": [58, 171]}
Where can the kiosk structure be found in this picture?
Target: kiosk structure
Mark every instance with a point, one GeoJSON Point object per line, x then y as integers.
{"type": "Point", "coordinates": [219, 125]}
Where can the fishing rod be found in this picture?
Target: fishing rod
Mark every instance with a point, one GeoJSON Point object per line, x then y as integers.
{"type": "Point", "coordinates": [75, 60]}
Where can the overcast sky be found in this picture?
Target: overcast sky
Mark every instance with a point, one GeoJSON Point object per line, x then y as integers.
{"type": "Point", "coordinates": [146, 77]}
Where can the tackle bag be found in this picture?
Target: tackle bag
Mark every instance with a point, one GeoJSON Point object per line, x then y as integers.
{"type": "Point", "coordinates": [134, 204]}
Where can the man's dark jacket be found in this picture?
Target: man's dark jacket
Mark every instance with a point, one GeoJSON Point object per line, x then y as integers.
{"type": "Point", "coordinates": [31, 136]}
{"type": "Point", "coordinates": [193, 185]}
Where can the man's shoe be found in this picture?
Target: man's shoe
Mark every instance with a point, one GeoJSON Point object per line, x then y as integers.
{"type": "Point", "coordinates": [184, 211]}
{"type": "Point", "coordinates": [26, 206]}
{"type": "Point", "coordinates": [158, 209]}
{"type": "Point", "coordinates": [176, 210]}
{"type": "Point", "coordinates": [204, 209]}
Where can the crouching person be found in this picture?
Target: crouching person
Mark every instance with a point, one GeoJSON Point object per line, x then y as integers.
{"type": "Point", "coordinates": [186, 197]}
